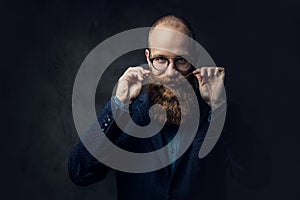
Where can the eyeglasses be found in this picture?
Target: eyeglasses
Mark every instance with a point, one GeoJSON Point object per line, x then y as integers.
{"type": "Point", "coordinates": [161, 63]}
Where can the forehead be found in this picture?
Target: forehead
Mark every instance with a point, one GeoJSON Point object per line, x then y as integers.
{"type": "Point", "coordinates": [168, 41]}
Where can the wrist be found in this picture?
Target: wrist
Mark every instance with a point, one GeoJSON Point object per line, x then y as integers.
{"type": "Point", "coordinates": [120, 104]}
{"type": "Point", "coordinates": [217, 104]}
{"type": "Point", "coordinates": [121, 98]}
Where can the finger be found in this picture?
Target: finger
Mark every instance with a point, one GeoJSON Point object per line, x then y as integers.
{"type": "Point", "coordinates": [221, 72]}
{"type": "Point", "coordinates": [216, 71]}
{"type": "Point", "coordinates": [221, 69]}
{"type": "Point", "coordinates": [196, 72]}
{"type": "Point", "coordinates": [209, 71]}
{"type": "Point", "coordinates": [202, 71]}
{"type": "Point", "coordinates": [139, 72]}
{"type": "Point", "coordinates": [133, 74]}
{"type": "Point", "coordinates": [145, 72]}
{"type": "Point", "coordinates": [205, 71]}
{"type": "Point", "coordinates": [139, 75]}
{"type": "Point", "coordinates": [142, 71]}
{"type": "Point", "coordinates": [222, 75]}
{"type": "Point", "coordinates": [199, 77]}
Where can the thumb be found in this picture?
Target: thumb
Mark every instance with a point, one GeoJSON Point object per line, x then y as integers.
{"type": "Point", "coordinates": [199, 77]}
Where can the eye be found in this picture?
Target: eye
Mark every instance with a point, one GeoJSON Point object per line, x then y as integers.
{"type": "Point", "coordinates": [160, 60]}
{"type": "Point", "coordinates": [181, 60]}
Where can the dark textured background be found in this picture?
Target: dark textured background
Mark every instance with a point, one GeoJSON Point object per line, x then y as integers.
{"type": "Point", "coordinates": [44, 42]}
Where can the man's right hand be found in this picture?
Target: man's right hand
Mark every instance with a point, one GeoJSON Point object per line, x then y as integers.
{"type": "Point", "coordinates": [130, 83]}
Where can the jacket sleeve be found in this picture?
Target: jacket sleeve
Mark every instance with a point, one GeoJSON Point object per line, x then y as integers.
{"type": "Point", "coordinates": [84, 169]}
{"type": "Point", "coordinates": [249, 162]}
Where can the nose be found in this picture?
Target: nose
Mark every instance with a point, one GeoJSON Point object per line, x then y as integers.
{"type": "Point", "coordinates": [171, 70]}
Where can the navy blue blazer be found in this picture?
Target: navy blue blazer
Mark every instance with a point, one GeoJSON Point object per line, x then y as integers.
{"type": "Point", "coordinates": [193, 178]}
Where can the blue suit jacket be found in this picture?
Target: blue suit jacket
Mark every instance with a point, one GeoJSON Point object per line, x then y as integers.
{"type": "Point", "coordinates": [193, 178]}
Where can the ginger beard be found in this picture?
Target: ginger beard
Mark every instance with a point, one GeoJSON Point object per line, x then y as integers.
{"type": "Point", "coordinates": [166, 97]}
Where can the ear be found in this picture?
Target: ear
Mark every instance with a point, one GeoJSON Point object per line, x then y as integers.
{"type": "Point", "coordinates": [147, 54]}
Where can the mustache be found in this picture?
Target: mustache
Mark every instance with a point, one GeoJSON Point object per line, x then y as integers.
{"type": "Point", "coordinates": [176, 80]}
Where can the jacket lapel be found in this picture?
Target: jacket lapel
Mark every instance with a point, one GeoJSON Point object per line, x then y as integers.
{"type": "Point", "coordinates": [157, 139]}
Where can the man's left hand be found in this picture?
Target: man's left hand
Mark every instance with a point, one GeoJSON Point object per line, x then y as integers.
{"type": "Point", "coordinates": [211, 85]}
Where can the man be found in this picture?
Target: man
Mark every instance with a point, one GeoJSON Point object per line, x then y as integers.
{"type": "Point", "coordinates": [187, 177]}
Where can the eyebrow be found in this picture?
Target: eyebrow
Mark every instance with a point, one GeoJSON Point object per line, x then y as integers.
{"type": "Point", "coordinates": [159, 56]}
{"type": "Point", "coordinates": [168, 57]}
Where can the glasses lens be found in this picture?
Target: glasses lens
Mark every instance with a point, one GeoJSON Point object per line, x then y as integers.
{"type": "Point", "coordinates": [182, 64]}
{"type": "Point", "coordinates": [183, 67]}
{"type": "Point", "coordinates": [160, 63]}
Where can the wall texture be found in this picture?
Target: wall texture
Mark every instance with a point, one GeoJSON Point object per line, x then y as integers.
{"type": "Point", "coordinates": [44, 44]}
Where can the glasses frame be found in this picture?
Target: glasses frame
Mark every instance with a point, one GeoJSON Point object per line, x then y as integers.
{"type": "Point", "coordinates": [168, 60]}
